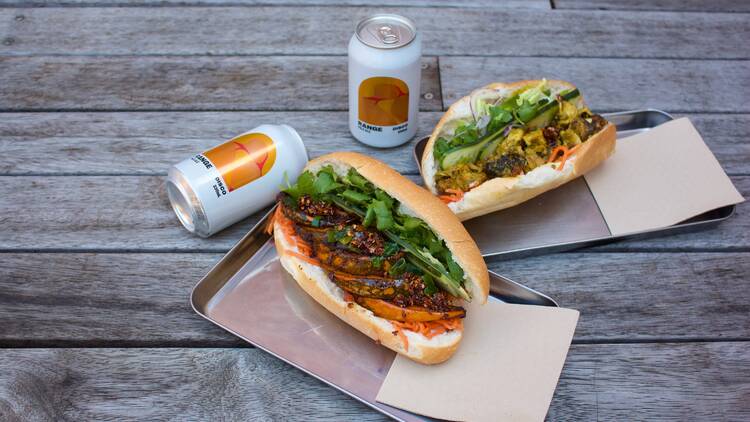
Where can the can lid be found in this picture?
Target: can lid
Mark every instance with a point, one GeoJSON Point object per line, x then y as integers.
{"type": "Point", "coordinates": [386, 31]}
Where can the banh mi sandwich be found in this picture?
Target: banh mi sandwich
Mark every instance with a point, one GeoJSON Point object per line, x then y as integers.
{"type": "Point", "coordinates": [506, 143]}
{"type": "Point", "coordinates": [381, 253]}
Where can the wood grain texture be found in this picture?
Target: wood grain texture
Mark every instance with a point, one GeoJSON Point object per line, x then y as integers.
{"type": "Point", "coordinates": [643, 296]}
{"type": "Point", "coordinates": [612, 85]}
{"type": "Point", "coordinates": [132, 213]}
{"type": "Point", "coordinates": [141, 299]}
{"type": "Point", "coordinates": [315, 30]}
{"type": "Point", "coordinates": [514, 4]}
{"type": "Point", "coordinates": [164, 384]}
{"type": "Point", "coordinates": [185, 83]}
{"type": "Point", "coordinates": [641, 5]}
{"type": "Point", "coordinates": [693, 381]}
{"type": "Point", "coordinates": [148, 143]}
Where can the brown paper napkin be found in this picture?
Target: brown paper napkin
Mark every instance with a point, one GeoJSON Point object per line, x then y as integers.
{"type": "Point", "coordinates": [659, 178]}
{"type": "Point", "coordinates": [506, 367]}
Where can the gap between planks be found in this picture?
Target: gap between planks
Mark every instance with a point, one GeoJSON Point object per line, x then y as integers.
{"type": "Point", "coordinates": [239, 343]}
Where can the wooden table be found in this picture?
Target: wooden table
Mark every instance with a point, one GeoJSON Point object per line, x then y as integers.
{"type": "Point", "coordinates": [97, 100]}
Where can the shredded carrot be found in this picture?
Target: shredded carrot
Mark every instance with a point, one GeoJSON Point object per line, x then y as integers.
{"type": "Point", "coordinates": [403, 338]}
{"type": "Point", "coordinates": [348, 297]}
{"type": "Point", "coordinates": [566, 153]}
{"type": "Point", "coordinates": [553, 155]}
{"type": "Point", "coordinates": [428, 329]}
{"type": "Point", "coordinates": [287, 229]}
{"type": "Point", "coordinates": [456, 195]}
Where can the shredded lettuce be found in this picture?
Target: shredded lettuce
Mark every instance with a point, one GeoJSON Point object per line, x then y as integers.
{"type": "Point", "coordinates": [535, 94]}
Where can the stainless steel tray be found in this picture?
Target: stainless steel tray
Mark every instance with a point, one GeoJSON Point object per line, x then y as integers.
{"type": "Point", "coordinates": [250, 295]}
{"type": "Point", "coordinates": [571, 218]}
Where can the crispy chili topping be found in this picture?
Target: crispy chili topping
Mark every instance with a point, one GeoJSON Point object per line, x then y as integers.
{"type": "Point", "coordinates": [312, 207]}
{"type": "Point", "coordinates": [414, 296]}
{"type": "Point", "coordinates": [367, 241]}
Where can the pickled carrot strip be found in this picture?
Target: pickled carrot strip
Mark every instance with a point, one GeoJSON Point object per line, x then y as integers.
{"type": "Point", "coordinates": [287, 228]}
{"type": "Point", "coordinates": [456, 196]}
{"type": "Point", "coordinates": [404, 339]}
{"type": "Point", "coordinates": [566, 154]}
{"type": "Point", "coordinates": [553, 155]}
{"type": "Point", "coordinates": [430, 329]}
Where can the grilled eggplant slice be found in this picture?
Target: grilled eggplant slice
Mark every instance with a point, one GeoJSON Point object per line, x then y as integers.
{"type": "Point", "coordinates": [341, 260]}
{"type": "Point", "coordinates": [370, 286]}
{"type": "Point", "coordinates": [392, 312]}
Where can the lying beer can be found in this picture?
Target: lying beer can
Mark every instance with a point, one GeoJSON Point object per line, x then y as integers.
{"type": "Point", "coordinates": [384, 78]}
{"type": "Point", "coordinates": [225, 184]}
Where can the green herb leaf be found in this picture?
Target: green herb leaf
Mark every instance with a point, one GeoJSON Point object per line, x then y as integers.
{"type": "Point", "coordinates": [355, 179]}
{"type": "Point", "coordinates": [315, 221]}
{"type": "Point", "coordinates": [383, 216]}
{"type": "Point", "coordinates": [411, 223]}
{"type": "Point", "coordinates": [369, 217]}
{"type": "Point", "coordinates": [304, 186]}
{"type": "Point", "coordinates": [441, 147]}
{"type": "Point", "coordinates": [397, 268]}
{"type": "Point", "coordinates": [354, 196]}
{"type": "Point", "coordinates": [380, 195]}
{"type": "Point", "coordinates": [377, 261]}
{"type": "Point", "coordinates": [429, 285]}
{"type": "Point", "coordinates": [391, 248]}
{"type": "Point", "coordinates": [325, 183]}
{"type": "Point", "coordinates": [455, 270]}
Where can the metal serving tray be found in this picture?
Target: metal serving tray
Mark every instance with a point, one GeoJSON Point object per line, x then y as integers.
{"type": "Point", "coordinates": [570, 215]}
{"type": "Point", "coordinates": [250, 295]}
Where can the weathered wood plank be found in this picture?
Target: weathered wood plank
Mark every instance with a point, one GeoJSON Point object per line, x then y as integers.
{"type": "Point", "coordinates": [133, 213]}
{"type": "Point", "coordinates": [670, 5]}
{"type": "Point", "coordinates": [88, 299]}
{"type": "Point", "coordinates": [185, 83]}
{"type": "Point", "coordinates": [514, 4]}
{"type": "Point", "coordinates": [148, 143]}
{"type": "Point", "coordinates": [643, 296]}
{"type": "Point", "coordinates": [599, 382]}
{"type": "Point", "coordinates": [312, 30]}
{"type": "Point", "coordinates": [160, 384]}
{"type": "Point", "coordinates": [611, 85]}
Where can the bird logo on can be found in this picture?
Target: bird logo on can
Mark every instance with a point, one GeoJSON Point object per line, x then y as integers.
{"type": "Point", "coordinates": [243, 159]}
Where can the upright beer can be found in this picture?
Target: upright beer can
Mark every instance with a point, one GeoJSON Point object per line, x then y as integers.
{"type": "Point", "coordinates": [384, 77]}
{"type": "Point", "coordinates": [216, 188]}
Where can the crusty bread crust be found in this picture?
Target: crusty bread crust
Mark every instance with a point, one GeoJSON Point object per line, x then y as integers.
{"type": "Point", "coordinates": [504, 192]}
{"type": "Point", "coordinates": [315, 282]}
{"type": "Point", "coordinates": [422, 204]}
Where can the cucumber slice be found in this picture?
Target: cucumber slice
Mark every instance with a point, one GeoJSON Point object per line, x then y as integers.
{"type": "Point", "coordinates": [548, 112]}
{"type": "Point", "coordinates": [491, 147]}
{"type": "Point", "coordinates": [469, 154]}
{"type": "Point", "coordinates": [464, 154]}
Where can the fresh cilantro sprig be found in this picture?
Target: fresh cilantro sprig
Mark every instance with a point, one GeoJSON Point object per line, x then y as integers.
{"type": "Point", "coordinates": [426, 254]}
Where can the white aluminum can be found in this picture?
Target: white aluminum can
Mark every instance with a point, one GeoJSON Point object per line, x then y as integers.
{"type": "Point", "coordinates": [221, 186]}
{"type": "Point", "coordinates": [384, 80]}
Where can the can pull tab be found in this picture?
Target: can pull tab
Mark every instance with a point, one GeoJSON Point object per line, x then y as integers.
{"type": "Point", "coordinates": [387, 35]}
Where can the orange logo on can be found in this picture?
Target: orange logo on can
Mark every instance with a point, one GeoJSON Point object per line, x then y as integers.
{"type": "Point", "coordinates": [383, 101]}
{"type": "Point", "coordinates": [243, 159]}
